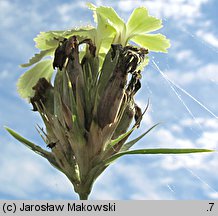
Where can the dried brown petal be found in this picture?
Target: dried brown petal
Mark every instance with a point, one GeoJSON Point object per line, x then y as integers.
{"type": "Point", "coordinates": [138, 115]}
{"type": "Point", "coordinates": [63, 51]}
{"type": "Point", "coordinates": [51, 145]}
{"type": "Point", "coordinates": [42, 89]}
{"type": "Point", "coordinates": [112, 97]}
{"type": "Point", "coordinates": [60, 55]}
{"type": "Point", "coordinates": [134, 84]}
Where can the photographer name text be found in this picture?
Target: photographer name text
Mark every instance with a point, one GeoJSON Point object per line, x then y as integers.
{"type": "Point", "coordinates": [82, 207]}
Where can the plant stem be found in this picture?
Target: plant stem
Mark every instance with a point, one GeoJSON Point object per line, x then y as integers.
{"type": "Point", "coordinates": [83, 196]}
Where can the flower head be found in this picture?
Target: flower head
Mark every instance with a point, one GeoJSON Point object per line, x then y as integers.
{"type": "Point", "coordinates": [89, 108]}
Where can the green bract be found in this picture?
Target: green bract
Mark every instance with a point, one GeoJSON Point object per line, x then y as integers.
{"type": "Point", "coordinates": [89, 111]}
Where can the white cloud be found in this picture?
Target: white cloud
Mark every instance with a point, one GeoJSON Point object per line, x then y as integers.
{"type": "Point", "coordinates": [18, 16]}
{"type": "Point", "coordinates": [25, 175]}
{"type": "Point", "coordinates": [208, 37]}
{"type": "Point", "coordinates": [166, 137]}
{"type": "Point", "coordinates": [206, 73]}
{"type": "Point", "coordinates": [177, 129]}
{"type": "Point", "coordinates": [213, 195]}
{"type": "Point", "coordinates": [143, 185]}
{"type": "Point", "coordinates": [174, 136]}
{"type": "Point", "coordinates": [131, 180]}
{"type": "Point", "coordinates": [183, 55]}
{"type": "Point", "coordinates": [208, 123]}
{"type": "Point", "coordinates": [209, 139]}
{"type": "Point", "coordinates": [199, 167]}
{"type": "Point", "coordinates": [67, 10]}
{"type": "Point", "coordinates": [186, 10]}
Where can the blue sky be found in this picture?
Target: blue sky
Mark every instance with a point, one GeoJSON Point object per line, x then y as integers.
{"type": "Point", "coordinates": [191, 64]}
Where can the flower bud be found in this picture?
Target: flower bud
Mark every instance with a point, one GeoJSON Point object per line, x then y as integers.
{"type": "Point", "coordinates": [43, 96]}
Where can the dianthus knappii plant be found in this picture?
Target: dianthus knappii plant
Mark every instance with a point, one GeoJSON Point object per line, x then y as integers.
{"type": "Point", "coordinates": [89, 111]}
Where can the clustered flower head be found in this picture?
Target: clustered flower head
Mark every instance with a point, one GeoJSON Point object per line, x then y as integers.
{"type": "Point", "coordinates": [89, 110]}
{"type": "Point", "coordinates": [86, 111]}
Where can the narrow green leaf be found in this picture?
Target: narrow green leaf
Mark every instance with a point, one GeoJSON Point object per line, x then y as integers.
{"type": "Point", "coordinates": [27, 143]}
{"type": "Point", "coordinates": [38, 56]}
{"type": "Point", "coordinates": [153, 42]}
{"type": "Point", "coordinates": [31, 77]}
{"type": "Point", "coordinates": [128, 145]}
{"type": "Point", "coordinates": [121, 137]}
{"type": "Point", "coordinates": [141, 22]}
{"type": "Point", "coordinates": [156, 151]}
{"type": "Point", "coordinates": [38, 150]}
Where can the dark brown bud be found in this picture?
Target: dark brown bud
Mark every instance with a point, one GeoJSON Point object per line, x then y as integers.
{"type": "Point", "coordinates": [92, 47]}
{"type": "Point", "coordinates": [40, 98]}
{"type": "Point", "coordinates": [138, 115]}
{"type": "Point", "coordinates": [112, 97]}
{"type": "Point", "coordinates": [115, 48]}
{"type": "Point", "coordinates": [63, 51]}
{"type": "Point", "coordinates": [60, 55]}
{"type": "Point", "coordinates": [113, 94]}
{"type": "Point", "coordinates": [51, 145]}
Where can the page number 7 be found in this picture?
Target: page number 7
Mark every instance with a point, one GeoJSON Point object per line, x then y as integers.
{"type": "Point", "coordinates": [211, 206]}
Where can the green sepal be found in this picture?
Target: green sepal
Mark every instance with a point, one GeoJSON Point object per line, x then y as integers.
{"type": "Point", "coordinates": [27, 143]}
{"type": "Point", "coordinates": [38, 150]}
{"type": "Point", "coordinates": [156, 151]}
{"type": "Point", "coordinates": [121, 137]}
{"type": "Point", "coordinates": [128, 145]}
